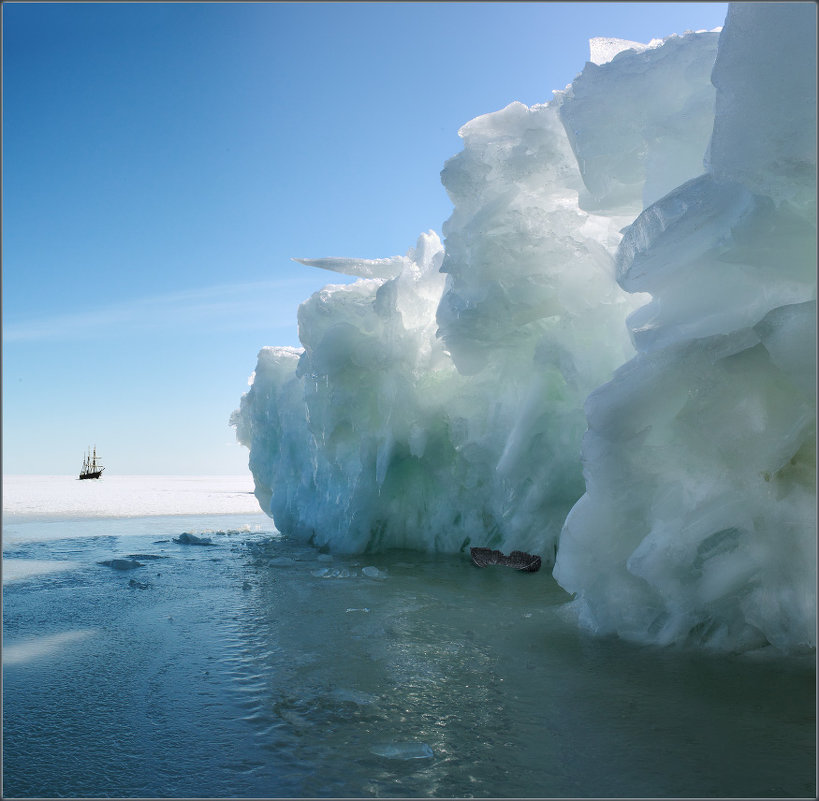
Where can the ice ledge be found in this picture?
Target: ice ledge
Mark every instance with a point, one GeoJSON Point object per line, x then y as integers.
{"type": "Point", "coordinates": [602, 49]}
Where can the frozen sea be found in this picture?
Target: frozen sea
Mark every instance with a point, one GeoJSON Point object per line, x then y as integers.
{"type": "Point", "coordinates": [258, 667]}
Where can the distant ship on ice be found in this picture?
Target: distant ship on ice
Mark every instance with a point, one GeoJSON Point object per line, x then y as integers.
{"type": "Point", "coordinates": [91, 468]}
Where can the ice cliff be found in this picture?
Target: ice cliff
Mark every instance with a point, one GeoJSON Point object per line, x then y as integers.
{"type": "Point", "coordinates": [699, 519]}
{"type": "Point", "coordinates": [610, 359]}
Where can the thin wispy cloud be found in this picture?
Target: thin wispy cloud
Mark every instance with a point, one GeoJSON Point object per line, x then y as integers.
{"type": "Point", "coordinates": [225, 307]}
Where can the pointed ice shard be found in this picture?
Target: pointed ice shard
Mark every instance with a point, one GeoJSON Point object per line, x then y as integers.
{"type": "Point", "coordinates": [361, 268]}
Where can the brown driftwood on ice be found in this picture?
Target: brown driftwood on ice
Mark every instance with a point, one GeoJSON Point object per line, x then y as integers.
{"type": "Point", "coordinates": [525, 562]}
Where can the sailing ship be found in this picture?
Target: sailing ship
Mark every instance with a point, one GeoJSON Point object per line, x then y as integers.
{"type": "Point", "coordinates": [91, 468]}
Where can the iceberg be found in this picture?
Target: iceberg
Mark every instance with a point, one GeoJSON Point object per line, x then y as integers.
{"type": "Point", "coordinates": [609, 361]}
{"type": "Point", "coordinates": [438, 400]}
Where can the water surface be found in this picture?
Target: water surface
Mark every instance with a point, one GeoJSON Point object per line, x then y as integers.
{"type": "Point", "coordinates": [259, 667]}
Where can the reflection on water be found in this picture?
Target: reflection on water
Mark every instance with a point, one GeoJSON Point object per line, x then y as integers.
{"type": "Point", "coordinates": [17, 569]}
{"type": "Point", "coordinates": [262, 668]}
{"type": "Point", "coordinates": [480, 666]}
{"type": "Point", "coordinates": [41, 647]}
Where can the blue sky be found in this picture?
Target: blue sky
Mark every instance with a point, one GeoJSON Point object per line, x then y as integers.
{"type": "Point", "coordinates": [163, 161]}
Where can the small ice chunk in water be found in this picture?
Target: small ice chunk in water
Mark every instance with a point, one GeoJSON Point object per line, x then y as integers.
{"type": "Point", "coordinates": [331, 572]}
{"type": "Point", "coordinates": [191, 539]}
{"type": "Point", "coordinates": [373, 572]}
{"type": "Point", "coordinates": [403, 751]}
{"type": "Point", "coordinates": [121, 564]}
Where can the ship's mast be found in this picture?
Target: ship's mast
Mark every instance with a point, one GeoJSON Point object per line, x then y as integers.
{"type": "Point", "coordinates": [90, 464]}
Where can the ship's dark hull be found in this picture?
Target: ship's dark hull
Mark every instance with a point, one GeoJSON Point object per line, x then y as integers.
{"type": "Point", "coordinates": [95, 474]}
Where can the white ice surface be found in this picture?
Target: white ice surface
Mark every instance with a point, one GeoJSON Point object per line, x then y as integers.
{"type": "Point", "coordinates": [66, 497]}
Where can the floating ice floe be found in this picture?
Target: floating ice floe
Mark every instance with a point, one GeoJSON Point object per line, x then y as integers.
{"type": "Point", "coordinates": [373, 572]}
{"type": "Point", "coordinates": [344, 572]}
{"type": "Point", "coordinates": [336, 572]}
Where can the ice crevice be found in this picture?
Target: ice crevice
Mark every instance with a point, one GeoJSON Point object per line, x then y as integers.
{"type": "Point", "coordinates": [610, 357]}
